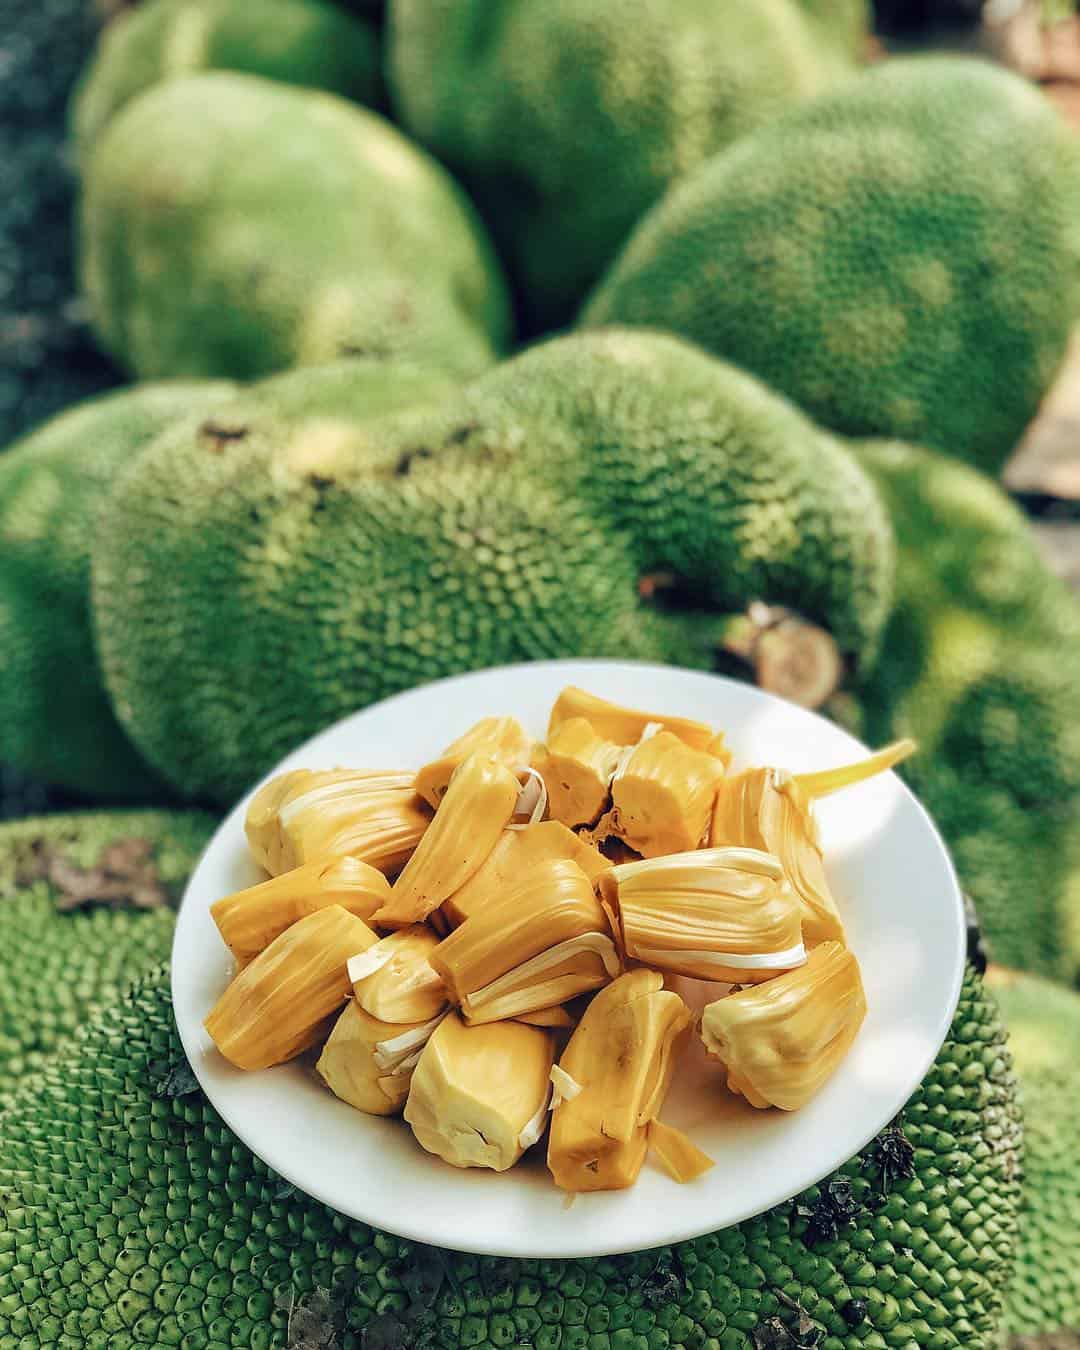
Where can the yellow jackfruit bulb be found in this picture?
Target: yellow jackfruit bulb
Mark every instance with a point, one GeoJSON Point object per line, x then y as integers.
{"type": "Point", "coordinates": [544, 940]}
{"type": "Point", "coordinates": [558, 1018]}
{"type": "Point", "coordinates": [280, 1004]}
{"type": "Point", "coordinates": [356, 1068]}
{"type": "Point", "coordinates": [371, 815]}
{"type": "Point", "coordinates": [394, 982]}
{"type": "Point", "coordinates": [765, 809]}
{"type": "Point", "coordinates": [479, 1095]}
{"type": "Point", "coordinates": [780, 1041]}
{"type": "Point", "coordinates": [724, 914]}
{"type": "Point", "coordinates": [662, 795]}
{"type": "Point", "coordinates": [624, 726]}
{"type": "Point", "coordinates": [476, 808]}
{"type": "Point", "coordinates": [621, 1056]}
{"type": "Point", "coordinates": [251, 919]}
{"type": "Point", "coordinates": [516, 853]}
{"type": "Point", "coordinates": [504, 738]}
{"type": "Point", "coordinates": [577, 767]}
{"type": "Point", "coordinates": [680, 1156]}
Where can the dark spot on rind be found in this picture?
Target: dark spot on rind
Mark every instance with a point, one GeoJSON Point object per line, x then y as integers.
{"type": "Point", "coordinates": [219, 435]}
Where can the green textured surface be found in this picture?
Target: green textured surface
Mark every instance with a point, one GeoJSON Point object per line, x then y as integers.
{"type": "Point", "coordinates": [58, 968]}
{"type": "Point", "coordinates": [304, 42]}
{"type": "Point", "coordinates": [981, 664]}
{"type": "Point", "coordinates": [133, 1218]}
{"type": "Point", "coordinates": [567, 119]}
{"type": "Point", "coordinates": [848, 23]}
{"type": "Point", "coordinates": [893, 256]}
{"type": "Point", "coordinates": [55, 719]}
{"type": "Point", "coordinates": [1043, 1022]}
{"type": "Point", "coordinates": [234, 226]}
{"type": "Point", "coordinates": [317, 565]}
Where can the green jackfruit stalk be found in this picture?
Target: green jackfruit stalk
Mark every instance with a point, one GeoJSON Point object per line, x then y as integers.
{"type": "Point", "coordinates": [73, 929]}
{"type": "Point", "coordinates": [303, 42]}
{"type": "Point", "coordinates": [55, 718]}
{"type": "Point", "coordinates": [230, 225]}
{"type": "Point", "coordinates": [511, 521]}
{"type": "Point", "coordinates": [981, 665]}
{"type": "Point", "coordinates": [911, 1244]}
{"type": "Point", "coordinates": [875, 252]}
{"type": "Point", "coordinates": [567, 119]}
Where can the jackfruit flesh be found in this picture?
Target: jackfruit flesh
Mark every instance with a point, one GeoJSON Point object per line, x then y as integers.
{"type": "Point", "coordinates": [622, 1054]}
{"type": "Point", "coordinates": [479, 1095]}
{"type": "Point", "coordinates": [723, 914]}
{"type": "Point", "coordinates": [782, 1040]}
{"type": "Point", "coordinates": [393, 980]}
{"type": "Point", "coordinates": [503, 738]}
{"type": "Point", "coordinates": [765, 809]}
{"type": "Point", "coordinates": [349, 1068]}
{"type": "Point", "coordinates": [544, 940]}
{"type": "Point", "coordinates": [558, 1018]}
{"type": "Point", "coordinates": [476, 808]}
{"type": "Point", "coordinates": [513, 857]}
{"type": "Point", "coordinates": [577, 766]}
{"type": "Point", "coordinates": [772, 809]}
{"type": "Point", "coordinates": [280, 1003]}
{"type": "Point", "coordinates": [624, 726]}
{"type": "Point", "coordinates": [306, 816]}
{"type": "Point", "coordinates": [678, 1153]}
{"type": "Point", "coordinates": [251, 919]}
{"type": "Point", "coordinates": [662, 795]}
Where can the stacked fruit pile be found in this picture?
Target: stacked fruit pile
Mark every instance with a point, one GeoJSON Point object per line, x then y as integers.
{"type": "Point", "coordinates": [805, 311]}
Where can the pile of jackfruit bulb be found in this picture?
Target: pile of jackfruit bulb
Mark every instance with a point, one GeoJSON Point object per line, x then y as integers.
{"type": "Point", "coordinates": [510, 979]}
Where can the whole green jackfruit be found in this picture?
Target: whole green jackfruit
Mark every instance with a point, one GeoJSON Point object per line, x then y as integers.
{"type": "Point", "coordinates": [86, 907]}
{"type": "Point", "coordinates": [303, 42]}
{"type": "Point", "coordinates": [567, 119]}
{"type": "Point", "coordinates": [234, 226]}
{"type": "Point", "coordinates": [133, 1216]}
{"type": "Point", "coordinates": [55, 719]}
{"type": "Point", "coordinates": [981, 664]}
{"type": "Point", "coordinates": [893, 256]}
{"type": "Point", "coordinates": [317, 563]}
{"type": "Point", "coordinates": [1043, 1022]}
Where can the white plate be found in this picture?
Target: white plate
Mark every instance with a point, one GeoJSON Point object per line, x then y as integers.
{"type": "Point", "coordinates": [893, 882]}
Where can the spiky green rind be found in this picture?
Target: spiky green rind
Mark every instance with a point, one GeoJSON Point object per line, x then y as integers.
{"type": "Point", "coordinates": [892, 256]}
{"type": "Point", "coordinates": [234, 226]}
{"type": "Point", "coordinates": [55, 719]}
{"type": "Point", "coordinates": [336, 560]}
{"type": "Point", "coordinates": [303, 42]}
{"type": "Point", "coordinates": [567, 119]}
{"type": "Point", "coordinates": [56, 969]}
{"type": "Point", "coordinates": [1043, 1022]}
{"type": "Point", "coordinates": [132, 1217]}
{"type": "Point", "coordinates": [298, 557]}
{"type": "Point", "coordinates": [848, 23]}
{"type": "Point", "coordinates": [981, 664]}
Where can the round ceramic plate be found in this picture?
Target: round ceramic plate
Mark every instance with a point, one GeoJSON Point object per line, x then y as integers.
{"type": "Point", "coordinates": [893, 883]}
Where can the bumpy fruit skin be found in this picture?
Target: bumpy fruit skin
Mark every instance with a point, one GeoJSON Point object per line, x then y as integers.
{"type": "Point", "coordinates": [981, 664]}
{"type": "Point", "coordinates": [567, 119]}
{"type": "Point", "coordinates": [892, 256]}
{"type": "Point", "coordinates": [303, 42]}
{"type": "Point", "coordinates": [322, 560]}
{"type": "Point", "coordinates": [1043, 1021]}
{"type": "Point", "coordinates": [133, 1217]}
{"type": "Point", "coordinates": [234, 226]}
{"type": "Point", "coordinates": [848, 23]}
{"type": "Point", "coordinates": [56, 968]}
{"type": "Point", "coordinates": [55, 719]}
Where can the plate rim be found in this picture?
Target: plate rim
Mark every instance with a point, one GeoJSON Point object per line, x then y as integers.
{"type": "Point", "coordinates": [416, 1232]}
